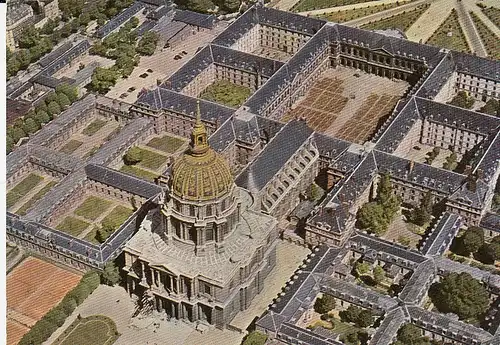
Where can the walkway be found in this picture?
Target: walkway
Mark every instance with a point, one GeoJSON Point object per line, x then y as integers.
{"type": "Point", "coordinates": [387, 13]}
{"type": "Point", "coordinates": [470, 31]}
{"type": "Point", "coordinates": [430, 20]}
{"type": "Point", "coordinates": [355, 6]}
{"type": "Point", "coordinates": [285, 5]}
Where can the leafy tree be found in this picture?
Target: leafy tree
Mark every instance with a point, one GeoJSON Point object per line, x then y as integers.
{"type": "Point", "coordinates": [371, 217]}
{"type": "Point", "coordinates": [111, 274]}
{"type": "Point", "coordinates": [54, 108]}
{"type": "Point", "coordinates": [13, 66]}
{"type": "Point", "coordinates": [103, 79]}
{"type": "Point", "coordinates": [92, 279]}
{"type": "Point", "coordinates": [9, 143]}
{"type": "Point", "coordinates": [378, 274]}
{"type": "Point", "coordinates": [421, 215]}
{"type": "Point", "coordinates": [364, 319]}
{"type": "Point", "coordinates": [63, 100]}
{"type": "Point", "coordinates": [70, 91]}
{"type": "Point", "coordinates": [133, 156]}
{"type": "Point", "coordinates": [71, 8]}
{"type": "Point", "coordinates": [362, 267]}
{"type": "Point", "coordinates": [461, 294]}
{"type": "Point", "coordinates": [490, 252]}
{"type": "Point", "coordinates": [42, 117]}
{"type": "Point", "coordinates": [409, 334]}
{"type": "Point", "coordinates": [24, 58]}
{"type": "Point", "coordinates": [147, 44]}
{"type": "Point", "coordinates": [324, 304]}
{"type": "Point", "coordinates": [31, 126]}
{"type": "Point", "coordinates": [492, 107]}
{"type": "Point", "coordinates": [314, 192]}
{"type": "Point", "coordinates": [255, 338]}
{"type": "Point", "coordinates": [16, 133]}
{"type": "Point", "coordinates": [350, 338]}
{"type": "Point", "coordinates": [463, 100]}
{"type": "Point", "coordinates": [351, 314]}
{"type": "Point", "coordinates": [473, 239]}
{"type": "Point", "coordinates": [451, 162]}
{"type": "Point", "coordinates": [29, 37]}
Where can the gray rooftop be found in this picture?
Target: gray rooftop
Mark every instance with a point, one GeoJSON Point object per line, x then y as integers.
{"type": "Point", "coordinates": [274, 156]}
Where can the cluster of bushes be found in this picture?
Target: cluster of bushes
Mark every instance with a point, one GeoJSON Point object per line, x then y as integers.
{"type": "Point", "coordinates": [205, 6]}
{"type": "Point", "coordinates": [431, 156]}
{"type": "Point", "coordinates": [147, 44]}
{"type": "Point", "coordinates": [360, 317]}
{"type": "Point", "coordinates": [376, 216]}
{"type": "Point", "coordinates": [49, 108]}
{"type": "Point", "coordinates": [354, 338]}
{"type": "Point", "coordinates": [376, 276]}
{"type": "Point", "coordinates": [255, 338]}
{"type": "Point", "coordinates": [133, 156]}
{"type": "Point", "coordinates": [451, 162]}
{"type": "Point", "coordinates": [463, 100]}
{"type": "Point", "coordinates": [472, 242]}
{"type": "Point", "coordinates": [56, 317]}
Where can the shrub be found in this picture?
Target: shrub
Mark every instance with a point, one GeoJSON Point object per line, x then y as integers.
{"type": "Point", "coordinates": [133, 156]}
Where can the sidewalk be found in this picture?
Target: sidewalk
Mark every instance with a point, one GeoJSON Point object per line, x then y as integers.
{"type": "Point", "coordinates": [430, 20]}
{"type": "Point", "coordinates": [350, 7]}
{"type": "Point", "coordinates": [384, 14]}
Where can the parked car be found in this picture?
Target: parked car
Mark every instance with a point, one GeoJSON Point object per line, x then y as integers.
{"type": "Point", "coordinates": [416, 148]}
{"type": "Point", "coordinates": [177, 57]}
{"type": "Point", "coordinates": [184, 52]}
{"type": "Point", "coordinates": [149, 70]}
{"type": "Point", "coordinates": [144, 75]}
{"type": "Point", "coordinates": [123, 95]}
{"type": "Point", "coordinates": [131, 89]}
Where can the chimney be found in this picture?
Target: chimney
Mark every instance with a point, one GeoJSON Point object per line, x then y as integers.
{"type": "Point", "coordinates": [411, 166]}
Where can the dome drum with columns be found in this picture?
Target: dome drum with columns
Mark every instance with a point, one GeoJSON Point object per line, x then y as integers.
{"type": "Point", "coordinates": [202, 207]}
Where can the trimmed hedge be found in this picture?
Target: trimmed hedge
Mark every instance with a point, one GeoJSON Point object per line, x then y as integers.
{"type": "Point", "coordinates": [56, 317]}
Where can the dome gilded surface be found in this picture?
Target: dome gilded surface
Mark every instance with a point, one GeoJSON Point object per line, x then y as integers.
{"type": "Point", "coordinates": [200, 173]}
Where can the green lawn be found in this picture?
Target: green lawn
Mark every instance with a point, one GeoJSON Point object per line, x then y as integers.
{"type": "Point", "coordinates": [345, 16]}
{"type": "Point", "coordinates": [401, 21]}
{"type": "Point", "coordinates": [72, 226]}
{"type": "Point", "coordinates": [133, 170]}
{"type": "Point", "coordinates": [23, 209]}
{"type": "Point", "coordinates": [22, 188]}
{"type": "Point", "coordinates": [456, 41]}
{"type": "Point", "coordinates": [91, 236]}
{"type": "Point", "coordinates": [118, 216]}
{"type": "Point", "coordinates": [93, 127]}
{"type": "Point", "coordinates": [95, 330]}
{"type": "Point", "coordinates": [152, 160]}
{"type": "Point", "coordinates": [91, 152]}
{"type": "Point", "coordinates": [493, 14]}
{"type": "Point", "coordinates": [71, 146]}
{"type": "Point", "coordinates": [92, 208]}
{"type": "Point", "coordinates": [490, 40]}
{"type": "Point", "coordinates": [308, 5]}
{"type": "Point", "coordinates": [166, 143]}
{"type": "Point", "coordinates": [226, 93]}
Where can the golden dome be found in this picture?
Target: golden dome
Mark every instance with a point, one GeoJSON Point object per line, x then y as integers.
{"type": "Point", "coordinates": [200, 173]}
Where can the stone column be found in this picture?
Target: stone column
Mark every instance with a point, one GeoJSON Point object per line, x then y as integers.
{"type": "Point", "coordinates": [143, 273]}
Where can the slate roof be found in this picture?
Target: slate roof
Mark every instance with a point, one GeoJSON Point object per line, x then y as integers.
{"type": "Point", "coordinates": [293, 334]}
{"type": "Point", "coordinates": [46, 81]}
{"type": "Point", "coordinates": [276, 85]}
{"type": "Point", "coordinates": [160, 98]}
{"type": "Point", "coordinates": [122, 181]}
{"type": "Point", "coordinates": [455, 329]}
{"type": "Point", "coordinates": [120, 19]}
{"type": "Point", "coordinates": [445, 265]}
{"type": "Point", "coordinates": [457, 117]}
{"type": "Point", "coordinates": [491, 221]}
{"type": "Point", "coordinates": [490, 160]}
{"type": "Point", "coordinates": [442, 234]}
{"type": "Point", "coordinates": [416, 287]}
{"type": "Point", "coordinates": [274, 156]}
{"type": "Point", "coordinates": [477, 66]}
{"type": "Point", "coordinates": [438, 180]}
{"type": "Point", "coordinates": [383, 247]}
{"type": "Point", "coordinates": [196, 19]}
{"type": "Point", "coordinates": [15, 109]}
{"type": "Point", "coordinates": [268, 128]}
{"type": "Point", "coordinates": [437, 78]}
{"type": "Point", "coordinates": [63, 60]}
{"type": "Point", "coordinates": [392, 45]}
{"type": "Point", "coordinates": [328, 147]}
{"type": "Point", "coordinates": [222, 137]}
{"type": "Point", "coordinates": [388, 329]}
{"type": "Point", "coordinates": [146, 26]}
{"type": "Point", "coordinates": [54, 54]}
{"type": "Point", "coordinates": [213, 54]}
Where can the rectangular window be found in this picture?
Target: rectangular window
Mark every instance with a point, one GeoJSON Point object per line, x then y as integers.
{"type": "Point", "coordinates": [208, 289]}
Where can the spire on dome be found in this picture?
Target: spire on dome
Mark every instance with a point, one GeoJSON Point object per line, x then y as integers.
{"type": "Point", "coordinates": [199, 143]}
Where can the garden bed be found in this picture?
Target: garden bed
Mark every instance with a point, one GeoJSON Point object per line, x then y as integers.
{"type": "Point", "coordinates": [401, 21]}
{"type": "Point", "coordinates": [166, 143]}
{"type": "Point", "coordinates": [456, 41]}
{"type": "Point", "coordinates": [22, 188]}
